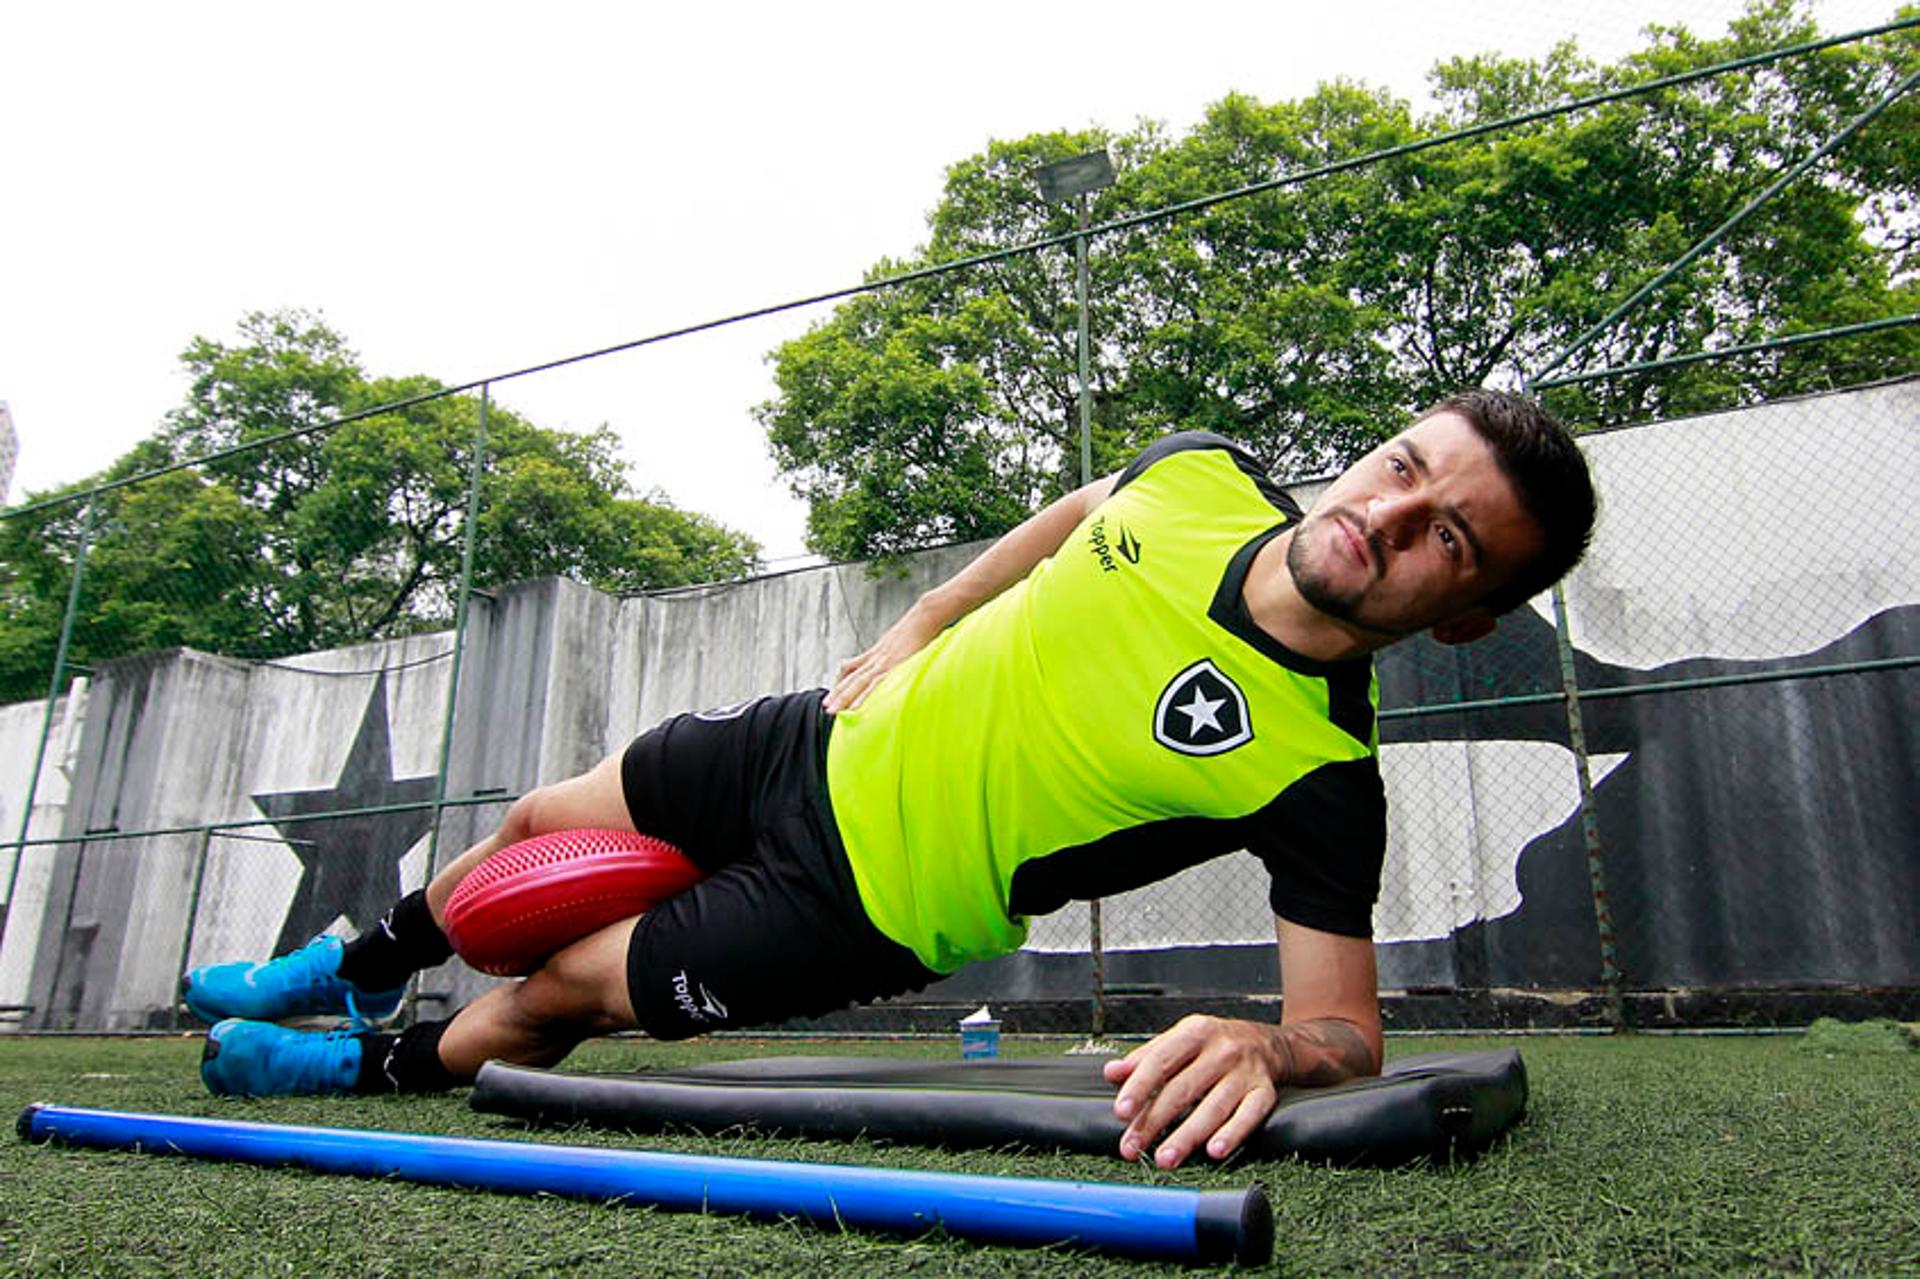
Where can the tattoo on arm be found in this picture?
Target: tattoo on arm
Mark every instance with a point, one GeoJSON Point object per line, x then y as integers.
{"type": "Point", "coordinates": [1326, 1051]}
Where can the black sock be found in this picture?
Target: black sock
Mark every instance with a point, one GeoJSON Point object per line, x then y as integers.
{"type": "Point", "coordinates": [400, 945]}
{"type": "Point", "coordinates": [406, 1062]}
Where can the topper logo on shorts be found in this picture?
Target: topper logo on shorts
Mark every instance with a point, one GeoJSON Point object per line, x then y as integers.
{"type": "Point", "coordinates": [706, 1008]}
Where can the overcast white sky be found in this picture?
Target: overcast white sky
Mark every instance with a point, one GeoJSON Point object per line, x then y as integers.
{"type": "Point", "coordinates": [467, 189]}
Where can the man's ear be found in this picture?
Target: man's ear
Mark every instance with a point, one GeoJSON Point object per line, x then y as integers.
{"type": "Point", "coordinates": [1465, 628]}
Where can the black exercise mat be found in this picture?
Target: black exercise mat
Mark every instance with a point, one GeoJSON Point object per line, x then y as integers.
{"type": "Point", "coordinates": [1433, 1105]}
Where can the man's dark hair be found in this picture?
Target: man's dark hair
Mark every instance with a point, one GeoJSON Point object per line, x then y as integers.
{"type": "Point", "coordinates": [1549, 475]}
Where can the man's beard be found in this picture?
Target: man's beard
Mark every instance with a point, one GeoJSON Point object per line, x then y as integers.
{"type": "Point", "coordinates": [1316, 586]}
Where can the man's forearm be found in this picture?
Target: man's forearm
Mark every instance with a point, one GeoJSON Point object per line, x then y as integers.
{"type": "Point", "coordinates": [1326, 1050]}
{"type": "Point", "coordinates": [1012, 557]}
{"type": "Point", "coordinates": [994, 570]}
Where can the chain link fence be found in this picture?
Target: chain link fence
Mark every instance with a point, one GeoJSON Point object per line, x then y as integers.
{"type": "Point", "coordinates": [1675, 792]}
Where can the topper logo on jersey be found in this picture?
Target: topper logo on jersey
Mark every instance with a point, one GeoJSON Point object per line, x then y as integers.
{"type": "Point", "coordinates": [1104, 548]}
{"type": "Point", "coordinates": [1202, 712]}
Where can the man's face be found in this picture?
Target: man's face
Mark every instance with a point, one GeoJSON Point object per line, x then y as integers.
{"type": "Point", "coordinates": [1415, 533]}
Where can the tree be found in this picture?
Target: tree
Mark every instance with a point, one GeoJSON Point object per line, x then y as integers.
{"type": "Point", "coordinates": [272, 544]}
{"type": "Point", "coordinates": [1310, 317]}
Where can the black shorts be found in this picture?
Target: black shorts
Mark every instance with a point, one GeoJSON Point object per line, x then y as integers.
{"type": "Point", "coordinates": [776, 930]}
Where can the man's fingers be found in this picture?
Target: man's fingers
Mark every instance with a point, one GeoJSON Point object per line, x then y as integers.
{"type": "Point", "coordinates": [1172, 1101]}
{"type": "Point", "coordinates": [858, 695]}
{"type": "Point", "coordinates": [1224, 1119]}
{"type": "Point", "coordinates": [1149, 1067]}
{"type": "Point", "coordinates": [1191, 1082]}
{"type": "Point", "coordinates": [1247, 1118]}
{"type": "Point", "coordinates": [847, 692]}
{"type": "Point", "coordinates": [1162, 1079]}
{"type": "Point", "coordinates": [1206, 1082]}
{"type": "Point", "coordinates": [857, 675]}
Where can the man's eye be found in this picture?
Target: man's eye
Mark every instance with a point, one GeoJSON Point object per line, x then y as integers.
{"type": "Point", "coordinates": [1448, 540]}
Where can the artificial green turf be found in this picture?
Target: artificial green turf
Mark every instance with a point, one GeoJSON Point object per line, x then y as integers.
{"type": "Point", "coordinates": [1638, 1155]}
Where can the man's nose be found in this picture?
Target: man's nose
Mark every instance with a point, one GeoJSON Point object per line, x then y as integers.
{"type": "Point", "coordinates": [1395, 518]}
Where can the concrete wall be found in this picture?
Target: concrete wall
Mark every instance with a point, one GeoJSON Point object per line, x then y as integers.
{"type": "Point", "coordinates": [555, 676]}
{"type": "Point", "coordinates": [1756, 834]}
{"type": "Point", "coordinates": [29, 870]}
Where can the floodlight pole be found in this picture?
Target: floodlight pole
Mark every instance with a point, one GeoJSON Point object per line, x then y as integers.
{"type": "Point", "coordinates": [1080, 176]}
{"type": "Point", "coordinates": [1096, 944]}
{"type": "Point", "coordinates": [1080, 307]}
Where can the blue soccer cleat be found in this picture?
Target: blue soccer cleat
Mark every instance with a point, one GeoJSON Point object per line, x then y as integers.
{"type": "Point", "coordinates": [304, 983]}
{"type": "Point", "coordinates": [259, 1059]}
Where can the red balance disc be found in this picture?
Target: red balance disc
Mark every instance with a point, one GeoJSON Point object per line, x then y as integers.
{"type": "Point", "coordinates": [535, 897]}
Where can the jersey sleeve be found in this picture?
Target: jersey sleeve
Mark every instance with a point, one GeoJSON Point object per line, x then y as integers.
{"type": "Point", "coordinates": [1324, 840]}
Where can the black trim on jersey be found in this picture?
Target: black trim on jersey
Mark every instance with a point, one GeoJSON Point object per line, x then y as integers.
{"type": "Point", "coordinates": [1181, 441]}
{"type": "Point", "coordinates": [1350, 699]}
{"type": "Point", "coordinates": [1350, 691]}
{"type": "Point", "coordinates": [1323, 840]}
{"type": "Point", "coordinates": [1130, 858]}
{"type": "Point", "coordinates": [1349, 683]}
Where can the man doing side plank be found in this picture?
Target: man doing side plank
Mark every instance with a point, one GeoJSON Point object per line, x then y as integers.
{"type": "Point", "coordinates": [1167, 665]}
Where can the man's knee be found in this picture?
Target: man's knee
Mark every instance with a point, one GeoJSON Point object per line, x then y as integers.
{"type": "Point", "coordinates": [595, 798]}
{"type": "Point", "coordinates": [525, 814]}
{"type": "Point", "coordinates": [583, 985]}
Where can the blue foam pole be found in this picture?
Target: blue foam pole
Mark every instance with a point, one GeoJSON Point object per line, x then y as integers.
{"type": "Point", "coordinates": [1137, 1221]}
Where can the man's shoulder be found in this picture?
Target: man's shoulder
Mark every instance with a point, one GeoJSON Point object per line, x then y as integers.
{"type": "Point", "coordinates": [1179, 442]}
{"type": "Point", "coordinates": [1231, 454]}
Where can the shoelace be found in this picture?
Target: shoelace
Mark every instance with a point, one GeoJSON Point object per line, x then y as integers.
{"type": "Point", "coordinates": [301, 969]}
{"type": "Point", "coordinates": [306, 965]}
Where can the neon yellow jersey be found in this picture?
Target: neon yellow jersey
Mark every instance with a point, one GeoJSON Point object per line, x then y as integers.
{"type": "Point", "coordinates": [1112, 719]}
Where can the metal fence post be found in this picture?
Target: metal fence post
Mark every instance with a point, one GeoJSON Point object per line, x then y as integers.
{"type": "Point", "coordinates": [65, 941]}
{"type": "Point", "coordinates": [469, 535]}
{"type": "Point", "coordinates": [1096, 941]}
{"type": "Point", "coordinates": [1589, 820]}
{"type": "Point", "coordinates": [53, 697]}
{"type": "Point", "coordinates": [193, 913]}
